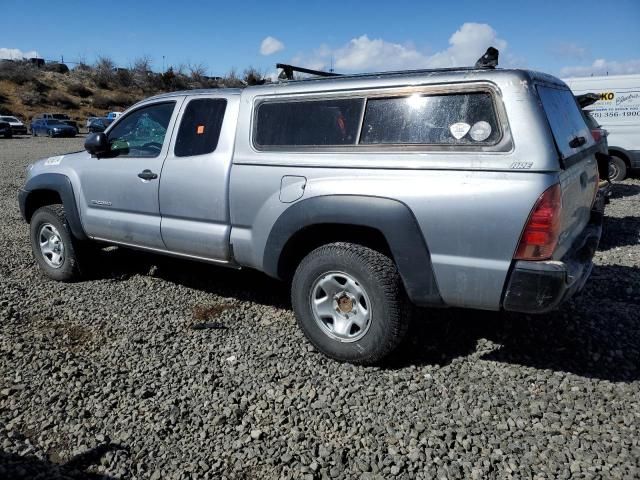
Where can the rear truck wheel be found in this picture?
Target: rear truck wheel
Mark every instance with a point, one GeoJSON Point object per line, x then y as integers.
{"type": "Point", "coordinates": [617, 169]}
{"type": "Point", "coordinates": [53, 245]}
{"type": "Point", "coordinates": [350, 302]}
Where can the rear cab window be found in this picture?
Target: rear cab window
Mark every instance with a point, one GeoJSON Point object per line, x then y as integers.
{"type": "Point", "coordinates": [200, 127]}
{"type": "Point", "coordinates": [567, 123]}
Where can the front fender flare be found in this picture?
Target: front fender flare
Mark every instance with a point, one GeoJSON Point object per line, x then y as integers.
{"type": "Point", "coordinates": [392, 218]}
{"type": "Point", "coordinates": [60, 184]}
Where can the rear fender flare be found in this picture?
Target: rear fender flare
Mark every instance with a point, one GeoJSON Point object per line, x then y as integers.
{"type": "Point", "coordinates": [392, 218]}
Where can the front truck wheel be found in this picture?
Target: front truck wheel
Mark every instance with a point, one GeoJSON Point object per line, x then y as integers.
{"type": "Point", "coordinates": [53, 245]}
{"type": "Point", "coordinates": [350, 302]}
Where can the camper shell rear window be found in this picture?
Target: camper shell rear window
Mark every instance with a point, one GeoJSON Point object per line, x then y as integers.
{"type": "Point", "coordinates": [463, 118]}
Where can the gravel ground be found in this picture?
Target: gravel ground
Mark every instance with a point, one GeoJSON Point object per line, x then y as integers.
{"type": "Point", "coordinates": [108, 378]}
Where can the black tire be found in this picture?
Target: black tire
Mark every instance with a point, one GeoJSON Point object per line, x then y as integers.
{"type": "Point", "coordinates": [69, 269]}
{"type": "Point", "coordinates": [617, 169]}
{"type": "Point", "coordinates": [50, 133]}
{"type": "Point", "coordinates": [378, 276]}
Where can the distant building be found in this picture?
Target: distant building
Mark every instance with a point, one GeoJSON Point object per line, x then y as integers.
{"type": "Point", "coordinates": [38, 62]}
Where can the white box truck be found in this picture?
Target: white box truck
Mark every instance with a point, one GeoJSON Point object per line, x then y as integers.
{"type": "Point", "coordinates": [618, 111]}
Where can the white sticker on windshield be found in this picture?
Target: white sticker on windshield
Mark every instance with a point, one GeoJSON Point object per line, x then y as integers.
{"type": "Point", "coordinates": [54, 160]}
{"type": "Point", "coordinates": [480, 131]}
{"type": "Point", "coordinates": [459, 130]}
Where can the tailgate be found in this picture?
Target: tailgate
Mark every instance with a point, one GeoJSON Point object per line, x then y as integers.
{"type": "Point", "coordinates": [576, 148]}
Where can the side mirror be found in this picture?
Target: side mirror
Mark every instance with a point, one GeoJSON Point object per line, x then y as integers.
{"type": "Point", "coordinates": [97, 144]}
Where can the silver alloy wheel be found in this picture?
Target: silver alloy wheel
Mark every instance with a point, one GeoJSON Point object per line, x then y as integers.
{"type": "Point", "coordinates": [51, 245]}
{"type": "Point", "coordinates": [340, 306]}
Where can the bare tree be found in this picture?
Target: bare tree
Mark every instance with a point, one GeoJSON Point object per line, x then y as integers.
{"type": "Point", "coordinates": [103, 74]}
{"type": "Point", "coordinates": [141, 72]}
{"type": "Point", "coordinates": [141, 65]}
{"type": "Point", "coordinates": [198, 73]}
{"type": "Point", "coordinates": [253, 76]}
{"type": "Point", "coordinates": [231, 79]}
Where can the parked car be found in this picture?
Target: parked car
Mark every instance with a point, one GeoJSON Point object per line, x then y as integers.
{"type": "Point", "coordinates": [472, 188]}
{"type": "Point", "coordinates": [5, 130]}
{"type": "Point", "coordinates": [113, 115]}
{"type": "Point", "coordinates": [17, 127]}
{"type": "Point", "coordinates": [618, 110]}
{"type": "Point", "coordinates": [99, 125]}
{"type": "Point", "coordinates": [64, 118]}
{"type": "Point", "coordinates": [52, 128]}
{"type": "Point", "coordinates": [89, 120]}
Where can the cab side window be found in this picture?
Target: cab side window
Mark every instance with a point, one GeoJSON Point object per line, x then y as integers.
{"type": "Point", "coordinates": [200, 127]}
{"type": "Point", "coordinates": [142, 132]}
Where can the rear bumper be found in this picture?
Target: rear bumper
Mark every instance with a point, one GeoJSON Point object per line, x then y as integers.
{"type": "Point", "coordinates": [64, 133]}
{"type": "Point", "coordinates": [538, 287]}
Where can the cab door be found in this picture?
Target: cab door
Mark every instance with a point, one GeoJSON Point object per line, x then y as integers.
{"type": "Point", "coordinates": [120, 190]}
{"type": "Point", "coordinates": [194, 188]}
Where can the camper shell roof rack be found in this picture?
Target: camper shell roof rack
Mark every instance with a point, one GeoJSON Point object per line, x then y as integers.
{"type": "Point", "coordinates": [488, 61]}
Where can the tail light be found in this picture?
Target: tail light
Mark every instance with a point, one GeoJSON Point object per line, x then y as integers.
{"type": "Point", "coordinates": [540, 235]}
{"type": "Point", "coordinates": [596, 133]}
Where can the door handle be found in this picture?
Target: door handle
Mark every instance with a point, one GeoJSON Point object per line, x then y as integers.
{"type": "Point", "coordinates": [147, 175]}
{"type": "Point", "coordinates": [577, 142]}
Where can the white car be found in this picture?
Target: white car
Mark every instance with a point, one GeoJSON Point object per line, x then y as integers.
{"type": "Point", "coordinates": [17, 127]}
{"type": "Point", "coordinates": [618, 111]}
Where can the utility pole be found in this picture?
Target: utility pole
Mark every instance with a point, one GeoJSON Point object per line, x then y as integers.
{"type": "Point", "coordinates": [163, 64]}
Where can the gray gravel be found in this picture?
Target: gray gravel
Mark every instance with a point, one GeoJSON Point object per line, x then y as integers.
{"type": "Point", "coordinates": [108, 379]}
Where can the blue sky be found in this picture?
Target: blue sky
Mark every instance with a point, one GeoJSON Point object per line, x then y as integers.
{"type": "Point", "coordinates": [552, 36]}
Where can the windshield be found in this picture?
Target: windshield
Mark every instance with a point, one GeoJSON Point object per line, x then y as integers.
{"type": "Point", "coordinates": [60, 116]}
{"type": "Point", "coordinates": [9, 119]}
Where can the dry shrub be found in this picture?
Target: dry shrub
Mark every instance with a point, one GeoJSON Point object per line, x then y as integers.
{"type": "Point", "coordinates": [79, 90]}
{"type": "Point", "coordinates": [206, 313]}
{"type": "Point", "coordinates": [122, 100]}
{"type": "Point", "coordinates": [231, 80]}
{"type": "Point", "coordinates": [103, 73]}
{"type": "Point", "coordinates": [31, 97]}
{"type": "Point", "coordinates": [62, 100]}
{"type": "Point", "coordinates": [123, 77]}
{"type": "Point", "coordinates": [39, 86]}
{"type": "Point", "coordinates": [253, 77]}
{"type": "Point", "coordinates": [56, 67]}
{"type": "Point", "coordinates": [17, 72]}
{"type": "Point", "coordinates": [101, 102]}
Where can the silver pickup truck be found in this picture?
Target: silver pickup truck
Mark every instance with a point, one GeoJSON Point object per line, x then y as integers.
{"type": "Point", "coordinates": [472, 188]}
